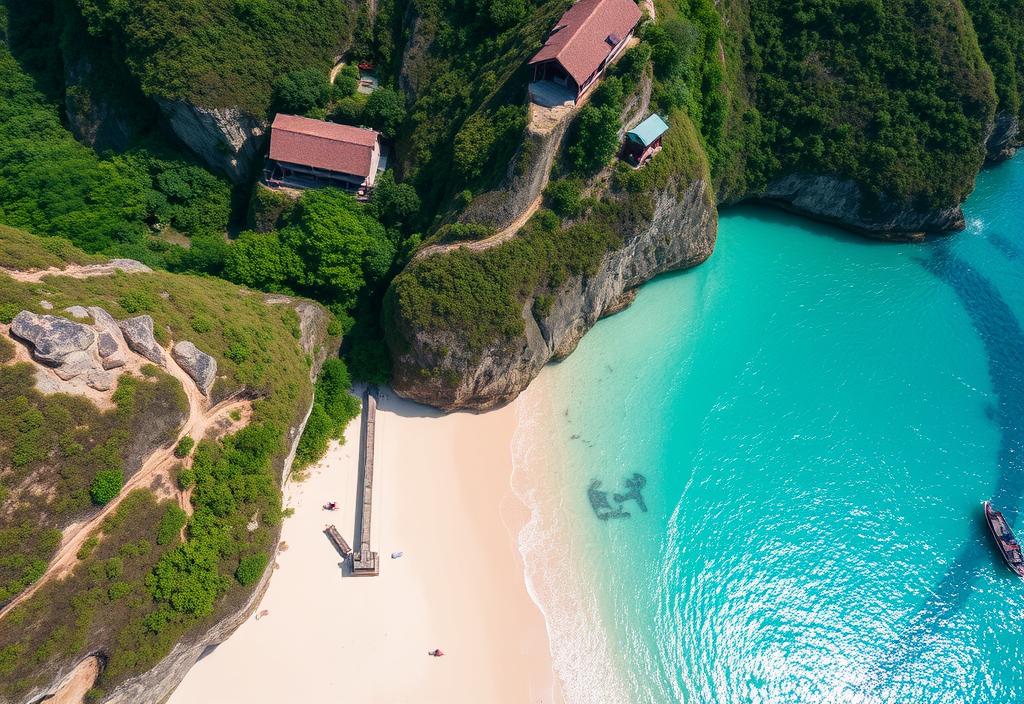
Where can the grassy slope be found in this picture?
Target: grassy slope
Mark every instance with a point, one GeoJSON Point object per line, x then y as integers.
{"type": "Point", "coordinates": [107, 604]}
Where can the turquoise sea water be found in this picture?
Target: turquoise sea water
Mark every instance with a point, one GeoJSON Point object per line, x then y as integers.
{"type": "Point", "coordinates": [818, 418]}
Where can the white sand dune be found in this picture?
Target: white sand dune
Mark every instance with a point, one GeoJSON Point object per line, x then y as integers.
{"type": "Point", "coordinates": [442, 497]}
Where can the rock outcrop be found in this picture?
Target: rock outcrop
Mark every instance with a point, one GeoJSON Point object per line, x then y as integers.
{"type": "Point", "coordinates": [844, 202]}
{"type": "Point", "coordinates": [1004, 139]}
{"type": "Point", "coordinates": [196, 363]}
{"type": "Point", "coordinates": [680, 234]}
{"type": "Point", "coordinates": [53, 338]}
{"type": "Point", "coordinates": [138, 333]}
{"type": "Point", "coordinates": [227, 139]}
{"type": "Point", "coordinates": [111, 345]}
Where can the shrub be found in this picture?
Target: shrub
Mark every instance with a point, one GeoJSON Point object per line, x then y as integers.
{"type": "Point", "coordinates": [184, 447]}
{"type": "Point", "coordinates": [106, 485]}
{"type": "Point", "coordinates": [300, 91]}
{"type": "Point", "coordinates": [186, 479]}
{"type": "Point", "coordinates": [564, 197]}
{"type": "Point", "coordinates": [8, 311]}
{"type": "Point", "coordinates": [463, 231]}
{"type": "Point", "coordinates": [384, 111]}
{"type": "Point", "coordinates": [137, 302]}
{"type": "Point", "coordinates": [171, 523]}
{"type": "Point", "coordinates": [250, 569]}
{"type": "Point", "coordinates": [345, 83]}
{"type": "Point", "coordinates": [87, 547]}
{"type": "Point", "coordinates": [595, 138]}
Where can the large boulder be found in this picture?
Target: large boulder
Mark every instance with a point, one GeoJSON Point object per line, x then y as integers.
{"type": "Point", "coordinates": [112, 346]}
{"type": "Point", "coordinates": [138, 333]}
{"type": "Point", "coordinates": [52, 338]}
{"type": "Point", "coordinates": [196, 363]}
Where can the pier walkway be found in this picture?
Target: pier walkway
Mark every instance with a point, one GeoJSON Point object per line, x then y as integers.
{"type": "Point", "coordinates": [365, 562]}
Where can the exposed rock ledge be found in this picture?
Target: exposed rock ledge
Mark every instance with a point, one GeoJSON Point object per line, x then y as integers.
{"type": "Point", "coordinates": [227, 139]}
{"type": "Point", "coordinates": [843, 202]}
{"type": "Point", "coordinates": [681, 234]}
{"type": "Point", "coordinates": [1004, 139]}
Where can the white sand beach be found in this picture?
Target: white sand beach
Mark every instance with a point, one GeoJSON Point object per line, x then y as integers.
{"type": "Point", "coordinates": [442, 496]}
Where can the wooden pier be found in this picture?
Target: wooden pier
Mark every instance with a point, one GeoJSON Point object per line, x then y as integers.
{"type": "Point", "coordinates": [339, 542]}
{"type": "Point", "coordinates": [365, 562]}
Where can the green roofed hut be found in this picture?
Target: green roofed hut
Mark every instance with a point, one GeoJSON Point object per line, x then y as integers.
{"type": "Point", "coordinates": [644, 140]}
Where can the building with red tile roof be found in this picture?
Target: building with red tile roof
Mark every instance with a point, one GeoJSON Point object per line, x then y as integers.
{"type": "Point", "coordinates": [584, 41]}
{"type": "Point", "coordinates": [306, 153]}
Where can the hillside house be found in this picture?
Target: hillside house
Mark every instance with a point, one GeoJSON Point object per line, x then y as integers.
{"type": "Point", "coordinates": [307, 153]}
{"type": "Point", "coordinates": [584, 41]}
{"type": "Point", "coordinates": [644, 141]}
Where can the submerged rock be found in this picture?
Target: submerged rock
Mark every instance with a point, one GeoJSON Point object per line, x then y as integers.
{"type": "Point", "coordinates": [196, 363]}
{"type": "Point", "coordinates": [52, 338]}
{"type": "Point", "coordinates": [138, 333]}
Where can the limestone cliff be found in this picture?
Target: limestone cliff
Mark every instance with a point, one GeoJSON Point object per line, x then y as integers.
{"type": "Point", "coordinates": [844, 202]}
{"type": "Point", "coordinates": [680, 234]}
{"type": "Point", "coordinates": [227, 139]}
{"type": "Point", "coordinates": [1004, 139]}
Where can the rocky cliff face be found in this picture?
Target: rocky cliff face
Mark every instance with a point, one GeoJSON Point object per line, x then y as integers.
{"type": "Point", "coordinates": [227, 139]}
{"type": "Point", "coordinates": [680, 234]}
{"type": "Point", "coordinates": [843, 202]}
{"type": "Point", "coordinates": [1004, 139]}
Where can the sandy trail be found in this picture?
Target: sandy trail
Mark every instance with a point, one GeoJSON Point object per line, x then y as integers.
{"type": "Point", "coordinates": [489, 241]}
{"type": "Point", "coordinates": [80, 681]}
{"type": "Point", "coordinates": [155, 469]}
{"type": "Point", "coordinates": [80, 271]}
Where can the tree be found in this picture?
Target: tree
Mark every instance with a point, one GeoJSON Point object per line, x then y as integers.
{"type": "Point", "coordinates": [342, 247]}
{"type": "Point", "coordinates": [300, 91]}
{"type": "Point", "coordinates": [473, 145]}
{"type": "Point", "coordinates": [261, 261]}
{"type": "Point", "coordinates": [385, 111]}
{"type": "Point", "coordinates": [394, 204]}
{"type": "Point", "coordinates": [106, 485]}
{"type": "Point", "coordinates": [596, 138]}
{"type": "Point", "coordinates": [346, 82]}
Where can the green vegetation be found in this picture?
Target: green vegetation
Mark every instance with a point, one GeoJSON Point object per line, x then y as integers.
{"type": "Point", "coordinates": [595, 131]}
{"type": "Point", "coordinates": [895, 95]}
{"type": "Point", "coordinates": [171, 523]}
{"type": "Point", "coordinates": [184, 447]}
{"type": "Point", "coordinates": [220, 53]}
{"type": "Point", "coordinates": [565, 197]}
{"type": "Point", "coordinates": [75, 452]}
{"type": "Point", "coordinates": [52, 185]}
{"type": "Point", "coordinates": [106, 485]}
{"type": "Point", "coordinates": [250, 569]}
{"type": "Point", "coordinates": [137, 590]}
{"type": "Point", "coordinates": [478, 296]}
{"type": "Point", "coordinates": [333, 408]}
{"type": "Point", "coordinates": [1000, 28]}
{"type": "Point", "coordinates": [301, 91]}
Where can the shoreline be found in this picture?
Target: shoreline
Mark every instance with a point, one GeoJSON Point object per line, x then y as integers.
{"type": "Point", "coordinates": [444, 496]}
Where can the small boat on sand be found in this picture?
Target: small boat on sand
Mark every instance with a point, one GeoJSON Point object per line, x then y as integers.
{"type": "Point", "coordinates": [1005, 541]}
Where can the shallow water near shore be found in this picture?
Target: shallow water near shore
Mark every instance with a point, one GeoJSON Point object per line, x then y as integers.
{"type": "Point", "coordinates": [817, 418]}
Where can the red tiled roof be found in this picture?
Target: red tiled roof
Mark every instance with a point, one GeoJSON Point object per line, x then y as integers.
{"type": "Point", "coordinates": [324, 145]}
{"type": "Point", "coordinates": [580, 40]}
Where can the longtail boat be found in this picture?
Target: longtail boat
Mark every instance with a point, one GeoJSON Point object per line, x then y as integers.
{"type": "Point", "coordinates": [1005, 541]}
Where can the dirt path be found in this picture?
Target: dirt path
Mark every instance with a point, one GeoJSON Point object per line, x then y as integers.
{"type": "Point", "coordinates": [72, 690]}
{"type": "Point", "coordinates": [80, 271]}
{"type": "Point", "coordinates": [156, 467]}
{"type": "Point", "coordinates": [489, 241]}
{"type": "Point", "coordinates": [542, 120]}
